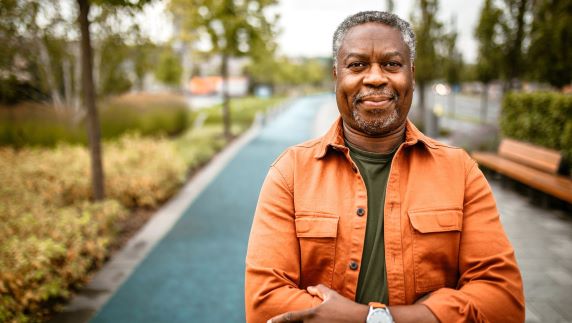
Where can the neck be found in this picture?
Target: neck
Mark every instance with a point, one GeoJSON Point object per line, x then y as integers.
{"type": "Point", "coordinates": [382, 144]}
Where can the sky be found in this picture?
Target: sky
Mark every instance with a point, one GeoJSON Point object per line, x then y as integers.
{"type": "Point", "coordinates": [306, 26]}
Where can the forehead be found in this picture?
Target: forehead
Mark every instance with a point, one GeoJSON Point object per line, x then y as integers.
{"type": "Point", "coordinates": [372, 35]}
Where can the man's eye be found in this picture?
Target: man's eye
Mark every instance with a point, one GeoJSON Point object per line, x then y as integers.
{"type": "Point", "coordinates": [357, 65]}
{"type": "Point", "coordinates": [392, 65]}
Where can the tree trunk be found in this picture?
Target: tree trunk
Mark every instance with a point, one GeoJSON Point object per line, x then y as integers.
{"type": "Point", "coordinates": [452, 100]}
{"type": "Point", "coordinates": [484, 103]}
{"type": "Point", "coordinates": [429, 118]}
{"type": "Point", "coordinates": [89, 102]}
{"type": "Point", "coordinates": [421, 105]}
{"type": "Point", "coordinates": [225, 97]}
{"type": "Point", "coordinates": [67, 73]}
{"type": "Point", "coordinates": [46, 61]}
{"type": "Point", "coordinates": [76, 50]}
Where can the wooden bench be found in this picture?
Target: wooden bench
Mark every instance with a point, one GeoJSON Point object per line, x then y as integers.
{"type": "Point", "coordinates": [529, 164]}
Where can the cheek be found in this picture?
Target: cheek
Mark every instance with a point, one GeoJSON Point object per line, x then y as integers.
{"type": "Point", "coordinates": [348, 85]}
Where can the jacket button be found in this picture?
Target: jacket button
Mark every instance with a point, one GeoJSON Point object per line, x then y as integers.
{"type": "Point", "coordinates": [360, 211]}
{"type": "Point", "coordinates": [353, 265]}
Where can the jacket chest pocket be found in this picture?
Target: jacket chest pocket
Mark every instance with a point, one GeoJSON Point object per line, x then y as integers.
{"type": "Point", "coordinates": [317, 236]}
{"type": "Point", "coordinates": [436, 236]}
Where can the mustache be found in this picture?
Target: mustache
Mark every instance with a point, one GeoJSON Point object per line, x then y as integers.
{"type": "Point", "coordinates": [392, 95]}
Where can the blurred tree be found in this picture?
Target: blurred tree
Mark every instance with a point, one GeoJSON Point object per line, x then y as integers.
{"type": "Point", "coordinates": [234, 28]}
{"type": "Point", "coordinates": [113, 54]}
{"type": "Point", "coordinates": [389, 6]}
{"type": "Point", "coordinates": [287, 73]}
{"type": "Point", "coordinates": [550, 53]}
{"type": "Point", "coordinates": [514, 26]}
{"type": "Point", "coordinates": [88, 86]}
{"type": "Point", "coordinates": [169, 69]}
{"type": "Point", "coordinates": [32, 50]}
{"type": "Point", "coordinates": [143, 54]}
{"type": "Point", "coordinates": [453, 61]}
{"type": "Point", "coordinates": [316, 72]}
{"type": "Point", "coordinates": [429, 34]}
{"type": "Point", "coordinates": [469, 72]}
{"type": "Point", "coordinates": [489, 57]}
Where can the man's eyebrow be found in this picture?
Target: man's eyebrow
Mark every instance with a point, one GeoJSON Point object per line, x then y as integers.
{"type": "Point", "coordinates": [394, 53]}
{"type": "Point", "coordinates": [356, 55]}
{"type": "Point", "coordinates": [362, 55]}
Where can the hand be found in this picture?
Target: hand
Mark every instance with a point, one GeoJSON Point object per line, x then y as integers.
{"type": "Point", "coordinates": [334, 308]}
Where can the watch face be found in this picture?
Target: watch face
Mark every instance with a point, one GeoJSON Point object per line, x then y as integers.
{"type": "Point", "coordinates": [379, 315]}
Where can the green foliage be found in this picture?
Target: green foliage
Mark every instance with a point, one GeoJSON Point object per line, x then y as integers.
{"type": "Point", "coordinates": [487, 34]}
{"type": "Point", "coordinates": [514, 29]}
{"type": "Point", "coordinates": [36, 125]}
{"type": "Point", "coordinates": [234, 28]}
{"type": "Point", "coordinates": [428, 31]}
{"type": "Point", "coordinates": [169, 69]}
{"type": "Point", "coordinates": [550, 53]}
{"type": "Point", "coordinates": [453, 59]}
{"type": "Point", "coordinates": [543, 118]}
{"type": "Point", "coordinates": [39, 59]}
{"type": "Point", "coordinates": [144, 56]}
{"type": "Point", "coordinates": [113, 77]}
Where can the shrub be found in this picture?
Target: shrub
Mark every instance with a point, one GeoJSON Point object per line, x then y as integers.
{"type": "Point", "coordinates": [33, 124]}
{"type": "Point", "coordinates": [542, 118]}
{"type": "Point", "coordinates": [44, 250]}
{"type": "Point", "coordinates": [51, 235]}
{"type": "Point", "coordinates": [143, 172]}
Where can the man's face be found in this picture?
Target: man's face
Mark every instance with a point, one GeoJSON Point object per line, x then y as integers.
{"type": "Point", "coordinates": [374, 79]}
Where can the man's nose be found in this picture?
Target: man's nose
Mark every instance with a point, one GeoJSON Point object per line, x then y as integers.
{"type": "Point", "coordinates": [375, 76]}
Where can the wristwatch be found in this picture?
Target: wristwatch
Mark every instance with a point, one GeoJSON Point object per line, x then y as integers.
{"type": "Point", "coordinates": [378, 313]}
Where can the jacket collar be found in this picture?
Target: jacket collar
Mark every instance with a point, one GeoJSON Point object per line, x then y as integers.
{"type": "Point", "coordinates": [334, 138]}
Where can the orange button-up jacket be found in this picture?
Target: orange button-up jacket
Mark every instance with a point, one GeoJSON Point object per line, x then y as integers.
{"type": "Point", "coordinates": [442, 232]}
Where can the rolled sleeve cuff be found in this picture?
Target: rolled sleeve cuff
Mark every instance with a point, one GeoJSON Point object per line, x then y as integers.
{"type": "Point", "coordinates": [450, 305]}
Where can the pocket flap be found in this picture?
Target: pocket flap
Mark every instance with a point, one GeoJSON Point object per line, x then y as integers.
{"type": "Point", "coordinates": [316, 227]}
{"type": "Point", "coordinates": [441, 220]}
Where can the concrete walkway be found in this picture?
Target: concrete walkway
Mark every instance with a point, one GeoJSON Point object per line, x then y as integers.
{"type": "Point", "coordinates": [193, 272]}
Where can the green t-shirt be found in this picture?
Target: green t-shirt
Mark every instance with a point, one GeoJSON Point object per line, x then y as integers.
{"type": "Point", "coordinates": [374, 169]}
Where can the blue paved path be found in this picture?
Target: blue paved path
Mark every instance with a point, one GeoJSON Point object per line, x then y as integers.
{"type": "Point", "coordinates": [196, 273]}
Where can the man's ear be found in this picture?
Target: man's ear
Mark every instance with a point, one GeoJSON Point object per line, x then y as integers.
{"type": "Point", "coordinates": [334, 73]}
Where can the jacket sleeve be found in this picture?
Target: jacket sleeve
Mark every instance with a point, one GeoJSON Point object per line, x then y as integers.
{"type": "Point", "coordinates": [272, 260]}
{"type": "Point", "coordinates": [490, 286]}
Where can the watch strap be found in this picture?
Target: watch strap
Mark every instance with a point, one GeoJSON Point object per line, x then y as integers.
{"type": "Point", "coordinates": [377, 305]}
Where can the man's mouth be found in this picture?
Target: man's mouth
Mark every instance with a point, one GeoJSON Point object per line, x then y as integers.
{"type": "Point", "coordinates": [376, 99]}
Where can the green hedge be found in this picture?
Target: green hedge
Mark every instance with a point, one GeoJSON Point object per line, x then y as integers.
{"type": "Point", "coordinates": [541, 118]}
{"type": "Point", "coordinates": [39, 125]}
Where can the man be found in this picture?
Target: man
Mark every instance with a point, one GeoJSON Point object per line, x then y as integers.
{"type": "Point", "coordinates": [375, 222]}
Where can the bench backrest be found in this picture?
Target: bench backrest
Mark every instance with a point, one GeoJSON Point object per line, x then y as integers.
{"type": "Point", "coordinates": [541, 158]}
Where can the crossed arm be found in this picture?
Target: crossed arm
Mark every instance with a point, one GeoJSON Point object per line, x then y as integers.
{"type": "Point", "coordinates": [338, 309]}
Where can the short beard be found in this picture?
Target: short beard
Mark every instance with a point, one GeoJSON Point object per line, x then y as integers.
{"type": "Point", "coordinates": [378, 126]}
{"type": "Point", "coordinates": [381, 124]}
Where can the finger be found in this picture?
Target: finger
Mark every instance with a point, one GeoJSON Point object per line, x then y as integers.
{"type": "Point", "coordinates": [321, 291]}
{"type": "Point", "coordinates": [290, 317]}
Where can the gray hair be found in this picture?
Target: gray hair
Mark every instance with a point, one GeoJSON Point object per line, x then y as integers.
{"type": "Point", "coordinates": [380, 17]}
